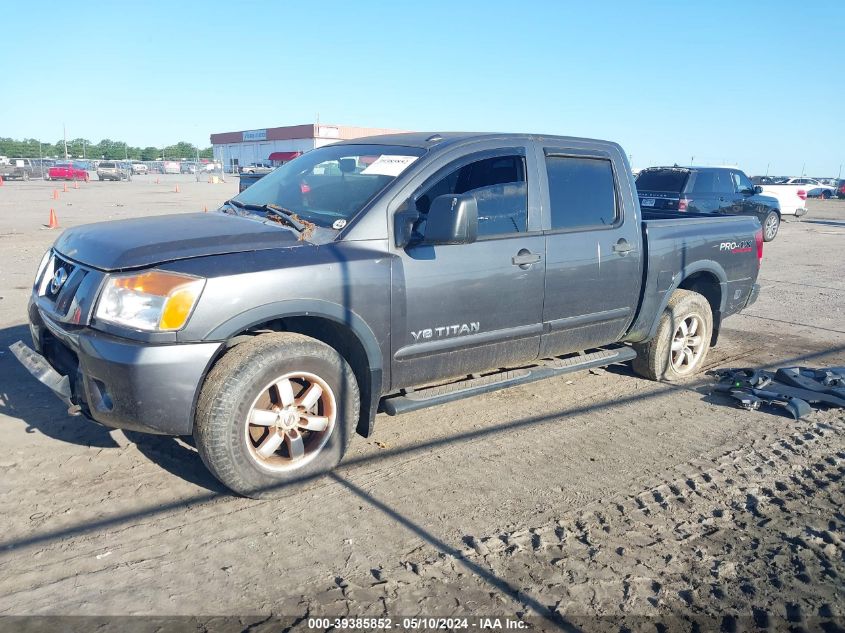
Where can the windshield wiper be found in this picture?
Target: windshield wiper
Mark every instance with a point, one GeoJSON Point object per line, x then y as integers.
{"type": "Point", "coordinates": [286, 215]}
{"type": "Point", "coordinates": [234, 204]}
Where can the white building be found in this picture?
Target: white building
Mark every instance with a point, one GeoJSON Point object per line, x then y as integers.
{"type": "Point", "coordinates": [281, 144]}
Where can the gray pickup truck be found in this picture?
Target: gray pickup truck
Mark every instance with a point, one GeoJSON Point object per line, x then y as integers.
{"type": "Point", "coordinates": [20, 169]}
{"type": "Point", "coordinates": [382, 274]}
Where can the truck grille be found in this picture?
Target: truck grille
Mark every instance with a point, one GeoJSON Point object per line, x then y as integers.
{"type": "Point", "coordinates": [58, 286]}
{"type": "Point", "coordinates": [60, 272]}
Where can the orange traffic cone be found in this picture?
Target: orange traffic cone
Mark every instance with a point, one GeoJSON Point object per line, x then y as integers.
{"type": "Point", "coordinates": [54, 221]}
{"type": "Point", "coordinates": [204, 208]}
{"type": "Point", "coordinates": [75, 185]}
{"type": "Point", "coordinates": [177, 188]}
{"type": "Point", "coordinates": [55, 194]}
{"type": "Point", "coordinates": [156, 179]}
{"type": "Point", "coordinates": [64, 189]}
{"type": "Point", "coordinates": [1, 181]}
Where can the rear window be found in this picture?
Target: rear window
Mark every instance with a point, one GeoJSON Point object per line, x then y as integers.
{"type": "Point", "coordinates": [107, 166]}
{"type": "Point", "coordinates": [662, 180]}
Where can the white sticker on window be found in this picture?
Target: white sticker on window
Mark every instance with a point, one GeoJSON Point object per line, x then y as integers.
{"type": "Point", "coordinates": [389, 165]}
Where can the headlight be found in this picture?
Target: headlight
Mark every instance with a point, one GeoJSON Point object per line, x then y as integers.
{"type": "Point", "coordinates": [152, 301]}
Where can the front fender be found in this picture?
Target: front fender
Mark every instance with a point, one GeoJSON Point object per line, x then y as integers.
{"type": "Point", "coordinates": [319, 309]}
{"type": "Point", "coordinates": [301, 307]}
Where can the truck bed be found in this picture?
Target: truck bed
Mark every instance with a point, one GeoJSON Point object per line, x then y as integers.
{"type": "Point", "coordinates": [677, 244]}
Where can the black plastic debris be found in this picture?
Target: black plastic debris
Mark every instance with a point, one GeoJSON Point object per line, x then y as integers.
{"type": "Point", "coordinates": [793, 389]}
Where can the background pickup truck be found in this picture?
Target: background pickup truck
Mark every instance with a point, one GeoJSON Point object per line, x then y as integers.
{"type": "Point", "coordinates": [792, 198]}
{"type": "Point", "coordinates": [708, 190]}
{"type": "Point", "coordinates": [384, 274]}
{"type": "Point", "coordinates": [68, 170]}
{"type": "Point", "coordinates": [19, 168]}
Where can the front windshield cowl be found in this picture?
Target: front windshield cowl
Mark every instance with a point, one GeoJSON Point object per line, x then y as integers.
{"type": "Point", "coordinates": [330, 185]}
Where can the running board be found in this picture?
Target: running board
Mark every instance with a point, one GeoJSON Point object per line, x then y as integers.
{"type": "Point", "coordinates": [412, 400]}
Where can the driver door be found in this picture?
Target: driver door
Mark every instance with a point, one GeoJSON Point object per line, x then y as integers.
{"type": "Point", "coordinates": [465, 308]}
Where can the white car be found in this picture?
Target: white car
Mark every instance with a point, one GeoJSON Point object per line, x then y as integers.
{"type": "Point", "coordinates": [139, 168]}
{"type": "Point", "coordinates": [813, 187]}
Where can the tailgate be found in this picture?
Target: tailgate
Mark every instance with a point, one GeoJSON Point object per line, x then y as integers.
{"type": "Point", "coordinates": [659, 200]}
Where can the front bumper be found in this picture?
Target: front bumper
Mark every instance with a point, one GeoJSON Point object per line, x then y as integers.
{"type": "Point", "coordinates": [117, 382]}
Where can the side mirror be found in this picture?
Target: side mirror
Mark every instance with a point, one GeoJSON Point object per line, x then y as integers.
{"type": "Point", "coordinates": [452, 219]}
{"type": "Point", "coordinates": [758, 189]}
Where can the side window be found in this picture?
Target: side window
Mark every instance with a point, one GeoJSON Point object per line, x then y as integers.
{"type": "Point", "coordinates": [705, 182]}
{"type": "Point", "coordinates": [582, 192]}
{"type": "Point", "coordinates": [498, 185]}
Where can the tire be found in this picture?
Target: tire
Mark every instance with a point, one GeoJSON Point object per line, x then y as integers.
{"type": "Point", "coordinates": [87, 177]}
{"type": "Point", "coordinates": [25, 176]}
{"type": "Point", "coordinates": [825, 195]}
{"type": "Point", "coordinates": [242, 386]}
{"type": "Point", "coordinates": [656, 360]}
{"type": "Point", "coordinates": [770, 226]}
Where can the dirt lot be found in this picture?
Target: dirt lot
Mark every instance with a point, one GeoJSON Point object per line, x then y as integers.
{"type": "Point", "coordinates": [592, 501]}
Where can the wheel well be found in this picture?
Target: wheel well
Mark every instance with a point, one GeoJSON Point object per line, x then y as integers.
{"type": "Point", "coordinates": [707, 285]}
{"type": "Point", "coordinates": [336, 336]}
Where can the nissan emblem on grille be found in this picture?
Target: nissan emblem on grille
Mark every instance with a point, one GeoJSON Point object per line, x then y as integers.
{"type": "Point", "coordinates": [59, 279]}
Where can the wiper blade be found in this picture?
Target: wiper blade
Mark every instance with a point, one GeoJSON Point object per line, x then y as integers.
{"type": "Point", "coordinates": [285, 214]}
{"type": "Point", "coordinates": [234, 204]}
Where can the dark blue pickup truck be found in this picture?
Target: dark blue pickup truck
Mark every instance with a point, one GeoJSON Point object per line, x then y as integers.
{"type": "Point", "coordinates": [382, 274]}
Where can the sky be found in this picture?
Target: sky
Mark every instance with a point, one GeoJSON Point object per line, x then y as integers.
{"type": "Point", "coordinates": [756, 84]}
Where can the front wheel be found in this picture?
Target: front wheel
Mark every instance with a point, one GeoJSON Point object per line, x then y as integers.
{"type": "Point", "coordinates": [825, 195]}
{"type": "Point", "coordinates": [276, 412]}
{"type": "Point", "coordinates": [680, 345]}
{"type": "Point", "coordinates": [770, 226]}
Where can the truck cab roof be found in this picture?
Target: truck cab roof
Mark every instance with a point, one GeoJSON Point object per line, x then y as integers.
{"type": "Point", "coordinates": [430, 140]}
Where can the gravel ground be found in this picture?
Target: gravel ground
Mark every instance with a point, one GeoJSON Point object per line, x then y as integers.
{"type": "Point", "coordinates": [594, 501]}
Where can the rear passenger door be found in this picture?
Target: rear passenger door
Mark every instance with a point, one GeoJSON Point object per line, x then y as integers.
{"type": "Point", "coordinates": [706, 192]}
{"type": "Point", "coordinates": [593, 257]}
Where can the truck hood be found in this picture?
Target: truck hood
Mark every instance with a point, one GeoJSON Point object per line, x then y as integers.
{"type": "Point", "coordinates": [143, 242]}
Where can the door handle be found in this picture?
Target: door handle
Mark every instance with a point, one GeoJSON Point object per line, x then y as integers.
{"type": "Point", "coordinates": [524, 258]}
{"type": "Point", "coordinates": [622, 247]}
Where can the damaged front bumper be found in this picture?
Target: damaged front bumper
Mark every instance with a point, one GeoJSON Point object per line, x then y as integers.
{"type": "Point", "coordinates": [38, 366]}
{"type": "Point", "coordinates": [118, 382]}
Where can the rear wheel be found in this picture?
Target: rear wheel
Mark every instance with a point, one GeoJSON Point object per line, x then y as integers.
{"type": "Point", "coordinates": [825, 195]}
{"type": "Point", "coordinates": [25, 175]}
{"type": "Point", "coordinates": [680, 345]}
{"type": "Point", "coordinates": [770, 226]}
{"type": "Point", "coordinates": [274, 413]}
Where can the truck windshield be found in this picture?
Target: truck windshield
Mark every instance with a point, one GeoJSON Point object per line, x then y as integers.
{"type": "Point", "coordinates": [333, 182]}
{"type": "Point", "coordinates": [662, 180]}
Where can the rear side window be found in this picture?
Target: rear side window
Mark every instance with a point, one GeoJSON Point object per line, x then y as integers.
{"type": "Point", "coordinates": [107, 165]}
{"type": "Point", "coordinates": [671, 180]}
{"type": "Point", "coordinates": [582, 192]}
{"type": "Point", "coordinates": [705, 182]}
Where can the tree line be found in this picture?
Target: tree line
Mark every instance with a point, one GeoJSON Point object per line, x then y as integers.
{"type": "Point", "coordinates": [105, 149]}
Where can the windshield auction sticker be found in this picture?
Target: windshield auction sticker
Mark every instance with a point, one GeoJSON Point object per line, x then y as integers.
{"type": "Point", "coordinates": [389, 165]}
